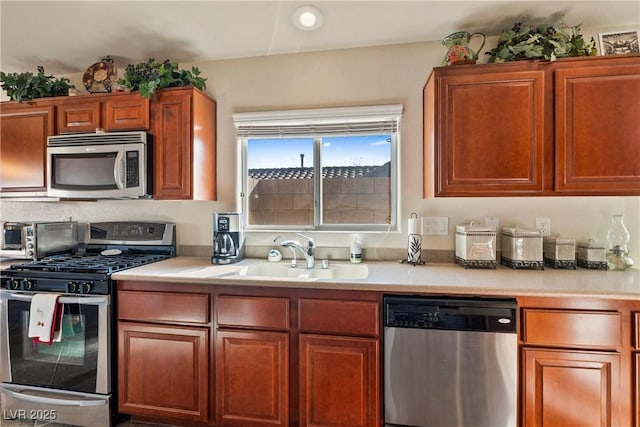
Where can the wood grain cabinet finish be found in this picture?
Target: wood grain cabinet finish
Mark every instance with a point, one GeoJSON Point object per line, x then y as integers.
{"type": "Point", "coordinates": [571, 388]}
{"type": "Point", "coordinates": [120, 112]}
{"type": "Point", "coordinates": [253, 378]}
{"type": "Point", "coordinates": [266, 313]}
{"type": "Point", "coordinates": [164, 307]}
{"type": "Point", "coordinates": [330, 376]}
{"type": "Point", "coordinates": [163, 371]}
{"type": "Point", "coordinates": [533, 128]}
{"type": "Point", "coordinates": [355, 318]}
{"type": "Point", "coordinates": [578, 362]}
{"type": "Point", "coordinates": [489, 131]}
{"type": "Point", "coordinates": [597, 110]}
{"type": "Point", "coordinates": [339, 381]}
{"type": "Point", "coordinates": [24, 129]}
{"type": "Point", "coordinates": [572, 328]}
{"type": "Point", "coordinates": [183, 122]}
{"type": "Point", "coordinates": [164, 353]}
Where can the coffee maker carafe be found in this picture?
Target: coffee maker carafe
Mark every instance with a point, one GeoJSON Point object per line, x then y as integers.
{"type": "Point", "coordinates": [228, 238]}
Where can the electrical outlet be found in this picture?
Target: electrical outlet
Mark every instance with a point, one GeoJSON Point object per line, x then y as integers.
{"type": "Point", "coordinates": [544, 225]}
{"type": "Point", "coordinates": [492, 220]}
{"type": "Point", "coordinates": [435, 225]}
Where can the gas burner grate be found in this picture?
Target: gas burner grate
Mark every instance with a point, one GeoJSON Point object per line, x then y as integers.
{"type": "Point", "coordinates": [100, 264]}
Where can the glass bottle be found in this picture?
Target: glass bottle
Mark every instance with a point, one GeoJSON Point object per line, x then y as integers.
{"type": "Point", "coordinates": [618, 237]}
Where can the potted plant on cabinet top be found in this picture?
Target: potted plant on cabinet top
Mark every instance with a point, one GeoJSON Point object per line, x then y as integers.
{"type": "Point", "coordinates": [147, 77]}
{"type": "Point", "coordinates": [25, 86]}
{"type": "Point", "coordinates": [545, 41]}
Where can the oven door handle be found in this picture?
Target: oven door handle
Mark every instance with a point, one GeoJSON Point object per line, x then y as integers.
{"type": "Point", "coordinates": [53, 401]}
{"type": "Point", "coordinates": [64, 300]}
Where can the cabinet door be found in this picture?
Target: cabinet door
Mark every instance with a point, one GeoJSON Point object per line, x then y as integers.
{"type": "Point", "coordinates": [252, 378]}
{"type": "Point", "coordinates": [571, 388]}
{"type": "Point", "coordinates": [339, 381]}
{"type": "Point", "coordinates": [163, 371]}
{"type": "Point", "coordinates": [73, 116]}
{"type": "Point", "coordinates": [489, 133]}
{"type": "Point", "coordinates": [636, 388]}
{"type": "Point", "coordinates": [597, 132]}
{"type": "Point", "coordinates": [171, 127]}
{"type": "Point", "coordinates": [126, 112]}
{"type": "Point", "coordinates": [23, 135]}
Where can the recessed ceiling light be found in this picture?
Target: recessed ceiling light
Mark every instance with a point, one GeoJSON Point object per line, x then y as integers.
{"type": "Point", "coordinates": [307, 18]}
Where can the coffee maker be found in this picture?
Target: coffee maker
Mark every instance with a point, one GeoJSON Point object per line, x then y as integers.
{"type": "Point", "coordinates": [228, 238]}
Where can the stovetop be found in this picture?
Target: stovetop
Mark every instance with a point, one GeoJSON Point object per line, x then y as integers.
{"type": "Point", "coordinates": [110, 247]}
{"type": "Point", "coordinates": [89, 263]}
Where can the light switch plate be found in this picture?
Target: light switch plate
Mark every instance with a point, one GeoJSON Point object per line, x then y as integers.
{"type": "Point", "coordinates": [435, 225]}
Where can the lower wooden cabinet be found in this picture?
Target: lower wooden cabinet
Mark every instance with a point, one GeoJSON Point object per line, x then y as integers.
{"type": "Point", "coordinates": [571, 388]}
{"type": "Point", "coordinates": [579, 362]}
{"type": "Point", "coordinates": [252, 378]}
{"type": "Point", "coordinates": [339, 381]}
{"type": "Point", "coordinates": [163, 371]}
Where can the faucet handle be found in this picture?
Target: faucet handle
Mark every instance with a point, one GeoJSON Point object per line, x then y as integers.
{"type": "Point", "coordinates": [309, 239]}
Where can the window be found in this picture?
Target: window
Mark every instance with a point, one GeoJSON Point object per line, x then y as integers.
{"type": "Point", "coordinates": [331, 169]}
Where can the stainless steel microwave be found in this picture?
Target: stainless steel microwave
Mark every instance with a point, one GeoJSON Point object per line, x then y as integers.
{"type": "Point", "coordinates": [109, 165]}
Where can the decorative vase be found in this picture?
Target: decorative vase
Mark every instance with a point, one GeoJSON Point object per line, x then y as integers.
{"type": "Point", "coordinates": [618, 237]}
{"type": "Point", "coordinates": [458, 50]}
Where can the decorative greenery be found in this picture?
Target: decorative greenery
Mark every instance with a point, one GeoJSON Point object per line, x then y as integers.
{"type": "Point", "coordinates": [544, 41]}
{"type": "Point", "coordinates": [147, 77]}
{"type": "Point", "coordinates": [25, 86]}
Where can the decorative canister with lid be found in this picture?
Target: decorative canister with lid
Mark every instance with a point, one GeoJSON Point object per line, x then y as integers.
{"type": "Point", "coordinates": [559, 252]}
{"type": "Point", "coordinates": [591, 254]}
{"type": "Point", "coordinates": [522, 248]}
{"type": "Point", "coordinates": [476, 245]}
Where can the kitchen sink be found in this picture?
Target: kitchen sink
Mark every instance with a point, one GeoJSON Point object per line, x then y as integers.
{"type": "Point", "coordinates": [284, 270]}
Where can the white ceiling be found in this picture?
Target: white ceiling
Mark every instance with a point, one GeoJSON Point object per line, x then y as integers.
{"type": "Point", "coordinates": [68, 36]}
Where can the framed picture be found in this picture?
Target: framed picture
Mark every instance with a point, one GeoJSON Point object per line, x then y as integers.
{"type": "Point", "coordinates": [619, 42]}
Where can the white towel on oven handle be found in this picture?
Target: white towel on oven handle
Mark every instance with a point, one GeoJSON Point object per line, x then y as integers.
{"type": "Point", "coordinates": [45, 318]}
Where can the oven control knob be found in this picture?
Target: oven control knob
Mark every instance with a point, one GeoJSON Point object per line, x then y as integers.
{"type": "Point", "coordinates": [28, 285]}
{"type": "Point", "coordinates": [73, 287]}
{"type": "Point", "coordinates": [87, 287]}
{"type": "Point", "coordinates": [14, 284]}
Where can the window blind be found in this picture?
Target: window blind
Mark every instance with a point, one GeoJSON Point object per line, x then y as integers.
{"type": "Point", "coordinates": [326, 121]}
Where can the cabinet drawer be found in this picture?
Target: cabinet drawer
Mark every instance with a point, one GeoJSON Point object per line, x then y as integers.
{"type": "Point", "coordinates": [126, 112]}
{"type": "Point", "coordinates": [339, 317]}
{"type": "Point", "coordinates": [78, 117]}
{"type": "Point", "coordinates": [253, 312]}
{"type": "Point", "coordinates": [566, 328]}
{"type": "Point", "coordinates": [163, 307]}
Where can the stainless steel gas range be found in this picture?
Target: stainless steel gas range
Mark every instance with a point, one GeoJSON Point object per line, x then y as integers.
{"type": "Point", "coordinates": [72, 381]}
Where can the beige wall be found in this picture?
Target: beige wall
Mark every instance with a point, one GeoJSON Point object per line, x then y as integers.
{"type": "Point", "coordinates": [353, 77]}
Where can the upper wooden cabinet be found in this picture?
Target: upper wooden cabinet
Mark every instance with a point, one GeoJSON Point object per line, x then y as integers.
{"type": "Point", "coordinates": [183, 123]}
{"type": "Point", "coordinates": [568, 127]}
{"type": "Point", "coordinates": [24, 129]}
{"type": "Point", "coordinates": [597, 117]}
{"type": "Point", "coordinates": [181, 120]}
{"type": "Point", "coordinates": [119, 112]}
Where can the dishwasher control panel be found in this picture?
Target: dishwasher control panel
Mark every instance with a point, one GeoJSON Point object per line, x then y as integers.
{"type": "Point", "coordinates": [462, 314]}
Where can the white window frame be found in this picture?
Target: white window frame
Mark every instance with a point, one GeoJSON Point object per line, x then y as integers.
{"type": "Point", "coordinates": [315, 123]}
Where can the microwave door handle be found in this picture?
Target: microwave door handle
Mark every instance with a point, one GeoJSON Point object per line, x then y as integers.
{"type": "Point", "coordinates": [119, 170]}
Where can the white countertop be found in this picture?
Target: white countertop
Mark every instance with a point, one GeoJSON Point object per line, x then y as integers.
{"type": "Point", "coordinates": [387, 276]}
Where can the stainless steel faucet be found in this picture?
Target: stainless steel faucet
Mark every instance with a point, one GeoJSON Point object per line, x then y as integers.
{"type": "Point", "coordinates": [308, 252]}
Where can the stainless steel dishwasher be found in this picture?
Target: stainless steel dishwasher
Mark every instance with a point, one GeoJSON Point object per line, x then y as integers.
{"type": "Point", "coordinates": [450, 362]}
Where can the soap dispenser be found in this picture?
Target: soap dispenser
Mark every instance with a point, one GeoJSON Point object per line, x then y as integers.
{"type": "Point", "coordinates": [356, 250]}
